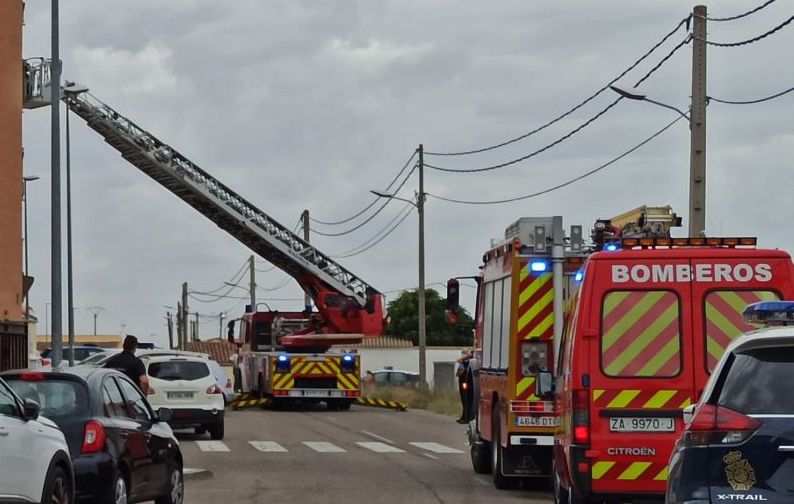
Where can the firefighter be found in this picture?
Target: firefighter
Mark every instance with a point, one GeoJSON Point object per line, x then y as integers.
{"type": "Point", "coordinates": [462, 374]}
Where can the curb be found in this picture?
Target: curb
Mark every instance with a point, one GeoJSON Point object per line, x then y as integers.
{"type": "Point", "coordinates": [193, 474]}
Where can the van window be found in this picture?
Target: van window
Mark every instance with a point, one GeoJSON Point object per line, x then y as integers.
{"type": "Point", "coordinates": [724, 322]}
{"type": "Point", "coordinates": [487, 326]}
{"type": "Point", "coordinates": [641, 334]}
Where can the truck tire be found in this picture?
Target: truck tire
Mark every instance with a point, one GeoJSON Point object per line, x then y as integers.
{"type": "Point", "coordinates": [560, 494]}
{"type": "Point", "coordinates": [500, 481]}
{"type": "Point", "coordinates": [479, 449]}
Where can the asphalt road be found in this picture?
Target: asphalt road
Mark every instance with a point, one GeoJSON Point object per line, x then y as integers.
{"type": "Point", "coordinates": [358, 456]}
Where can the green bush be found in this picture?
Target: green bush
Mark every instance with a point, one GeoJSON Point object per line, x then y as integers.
{"type": "Point", "coordinates": [445, 402]}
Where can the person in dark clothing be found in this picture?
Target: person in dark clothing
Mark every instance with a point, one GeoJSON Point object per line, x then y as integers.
{"type": "Point", "coordinates": [132, 366]}
{"type": "Point", "coordinates": [461, 372]}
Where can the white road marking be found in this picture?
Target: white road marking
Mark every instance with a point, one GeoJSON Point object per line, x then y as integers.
{"type": "Point", "coordinates": [268, 446]}
{"type": "Point", "coordinates": [324, 447]}
{"type": "Point", "coordinates": [436, 448]}
{"type": "Point", "coordinates": [379, 447]}
{"type": "Point", "coordinates": [430, 456]}
{"type": "Point", "coordinates": [212, 446]}
{"type": "Point", "coordinates": [192, 470]}
{"type": "Point", "coordinates": [379, 438]}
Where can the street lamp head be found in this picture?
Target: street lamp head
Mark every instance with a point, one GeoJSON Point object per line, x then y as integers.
{"type": "Point", "coordinates": [30, 178]}
{"type": "Point", "coordinates": [381, 194]}
{"type": "Point", "coordinates": [73, 88]}
{"type": "Point", "coordinates": [632, 94]}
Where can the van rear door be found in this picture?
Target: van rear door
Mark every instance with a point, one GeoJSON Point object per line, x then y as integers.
{"type": "Point", "coordinates": [642, 369]}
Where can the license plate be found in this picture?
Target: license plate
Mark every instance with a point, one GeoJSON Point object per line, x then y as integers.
{"type": "Point", "coordinates": [641, 424]}
{"type": "Point", "coordinates": [180, 395]}
{"type": "Point", "coordinates": [542, 421]}
{"type": "Point", "coordinates": [316, 393]}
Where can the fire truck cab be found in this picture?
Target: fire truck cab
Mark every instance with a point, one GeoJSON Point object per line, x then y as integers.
{"type": "Point", "coordinates": [648, 322]}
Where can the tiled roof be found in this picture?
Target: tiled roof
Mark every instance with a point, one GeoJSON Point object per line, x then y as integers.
{"type": "Point", "coordinates": [218, 350]}
{"type": "Point", "coordinates": [381, 342]}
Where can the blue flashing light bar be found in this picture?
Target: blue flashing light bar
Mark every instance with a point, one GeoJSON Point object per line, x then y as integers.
{"type": "Point", "coordinates": [770, 313]}
{"type": "Point", "coordinates": [539, 266]}
{"type": "Point", "coordinates": [611, 247]}
{"type": "Point", "coordinates": [578, 276]}
{"type": "Point", "coordinates": [347, 358]}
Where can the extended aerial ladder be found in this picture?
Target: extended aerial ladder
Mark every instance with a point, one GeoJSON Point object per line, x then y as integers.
{"type": "Point", "coordinates": [347, 304]}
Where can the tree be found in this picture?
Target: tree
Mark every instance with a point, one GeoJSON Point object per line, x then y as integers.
{"type": "Point", "coordinates": [404, 320]}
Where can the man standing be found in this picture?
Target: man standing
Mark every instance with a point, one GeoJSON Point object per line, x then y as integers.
{"type": "Point", "coordinates": [462, 374]}
{"type": "Point", "coordinates": [132, 366]}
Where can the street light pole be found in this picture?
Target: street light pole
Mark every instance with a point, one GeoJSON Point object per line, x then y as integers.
{"type": "Point", "coordinates": [25, 181]}
{"type": "Point", "coordinates": [420, 292]}
{"type": "Point", "coordinates": [69, 287]}
{"type": "Point", "coordinates": [55, 166]}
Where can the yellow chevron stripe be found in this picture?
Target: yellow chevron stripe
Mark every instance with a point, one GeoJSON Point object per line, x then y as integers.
{"type": "Point", "coordinates": [342, 382]}
{"type": "Point", "coordinates": [536, 308]}
{"type": "Point", "coordinates": [524, 384]}
{"type": "Point", "coordinates": [662, 476]}
{"type": "Point", "coordinates": [533, 287]}
{"type": "Point", "coordinates": [659, 399]}
{"type": "Point", "coordinates": [523, 274]}
{"type": "Point", "coordinates": [634, 471]}
{"type": "Point", "coordinates": [597, 393]}
{"type": "Point", "coordinates": [599, 469]}
{"type": "Point", "coordinates": [280, 379]}
{"type": "Point", "coordinates": [623, 399]}
{"type": "Point", "coordinates": [542, 327]}
{"type": "Point", "coordinates": [686, 403]}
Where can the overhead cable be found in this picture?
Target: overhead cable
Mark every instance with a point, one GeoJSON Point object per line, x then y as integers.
{"type": "Point", "coordinates": [372, 203]}
{"type": "Point", "coordinates": [566, 183]}
{"type": "Point", "coordinates": [373, 244]}
{"type": "Point", "coordinates": [575, 107]}
{"type": "Point", "coordinates": [752, 40]}
{"type": "Point", "coordinates": [750, 102]}
{"type": "Point", "coordinates": [570, 133]}
{"type": "Point", "coordinates": [234, 280]}
{"type": "Point", "coordinates": [379, 210]}
{"type": "Point", "coordinates": [407, 206]}
{"type": "Point", "coordinates": [744, 14]}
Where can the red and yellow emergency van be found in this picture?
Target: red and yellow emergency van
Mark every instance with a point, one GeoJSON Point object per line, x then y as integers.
{"type": "Point", "coordinates": [650, 320]}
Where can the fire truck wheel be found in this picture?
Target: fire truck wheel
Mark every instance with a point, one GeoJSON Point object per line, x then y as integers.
{"type": "Point", "coordinates": [332, 405]}
{"type": "Point", "coordinates": [201, 430]}
{"type": "Point", "coordinates": [560, 494]}
{"type": "Point", "coordinates": [480, 454]}
{"type": "Point", "coordinates": [497, 453]}
{"type": "Point", "coordinates": [345, 405]}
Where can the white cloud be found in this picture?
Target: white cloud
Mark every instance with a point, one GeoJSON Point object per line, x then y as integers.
{"type": "Point", "coordinates": [143, 72]}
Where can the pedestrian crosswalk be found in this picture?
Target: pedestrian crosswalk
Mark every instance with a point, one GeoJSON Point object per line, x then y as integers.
{"type": "Point", "coordinates": [422, 447]}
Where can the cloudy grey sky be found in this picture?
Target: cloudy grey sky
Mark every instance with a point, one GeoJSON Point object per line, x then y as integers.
{"type": "Point", "coordinates": [309, 104]}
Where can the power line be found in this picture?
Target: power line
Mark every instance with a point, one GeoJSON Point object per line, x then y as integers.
{"type": "Point", "coordinates": [754, 39]}
{"type": "Point", "coordinates": [566, 183]}
{"type": "Point", "coordinates": [372, 203]}
{"type": "Point", "coordinates": [753, 11]}
{"type": "Point", "coordinates": [570, 133]}
{"type": "Point", "coordinates": [353, 251]}
{"type": "Point", "coordinates": [361, 251]}
{"type": "Point", "coordinates": [577, 106]}
{"type": "Point", "coordinates": [234, 280]}
{"type": "Point", "coordinates": [749, 102]}
{"type": "Point", "coordinates": [379, 210]}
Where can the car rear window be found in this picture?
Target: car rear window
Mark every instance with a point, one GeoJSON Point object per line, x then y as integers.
{"type": "Point", "coordinates": [56, 398]}
{"type": "Point", "coordinates": [178, 370]}
{"type": "Point", "coordinates": [724, 321]}
{"type": "Point", "coordinates": [759, 382]}
{"type": "Point", "coordinates": [641, 334]}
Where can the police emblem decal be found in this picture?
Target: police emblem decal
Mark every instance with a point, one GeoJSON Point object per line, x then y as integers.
{"type": "Point", "coordinates": [739, 472]}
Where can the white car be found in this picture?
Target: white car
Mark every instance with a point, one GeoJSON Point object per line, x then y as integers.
{"type": "Point", "coordinates": [34, 458]}
{"type": "Point", "coordinates": [187, 386]}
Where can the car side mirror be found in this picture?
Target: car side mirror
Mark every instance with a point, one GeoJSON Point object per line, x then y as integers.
{"type": "Point", "coordinates": [165, 415]}
{"type": "Point", "coordinates": [30, 409]}
{"type": "Point", "coordinates": [544, 384]}
{"type": "Point", "coordinates": [689, 412]}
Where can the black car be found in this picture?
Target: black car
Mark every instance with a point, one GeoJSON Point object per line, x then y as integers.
{"type": "Point", "coordinates": [121, 450]}
{"type": "Point", "coordinates": [738, 444]}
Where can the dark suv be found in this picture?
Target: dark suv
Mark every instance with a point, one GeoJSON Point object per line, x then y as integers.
{"type": "Point", "coordinates": [121, 450]}
{"type": "Point", "coordinates": [738, 444]}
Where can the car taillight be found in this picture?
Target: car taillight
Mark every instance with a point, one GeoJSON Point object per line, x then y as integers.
{"type": "Point", "coordinates": [716, 425]}
{"type": "Point", "coordinates": [31, 376]}
{"type": "Point", "coordinates": [94, 437]}
{"type": "Point", "coordinates": [214, 389]}
{"type": "Point", "coordinates": [581, 417]}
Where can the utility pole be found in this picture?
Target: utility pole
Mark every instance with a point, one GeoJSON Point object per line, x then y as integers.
{"type": "Point", "coordinates": [180, 325]}
{"type": "Point", "coordinates": [420, 292]}
{"type": "Point", "coordinates": [196, 332]}
{"type": "Point", "coordinates": [252, 282]}
{"type": "Point", "coordinates": [307, 300]}
{"type": "Point", "coordinates": [95, 311]}
{"type": "Point", "coordinates": [220, 329]}
{"type": "Point", "coordinates": [55, 200]}
{"type": "Point", "coordinates": [697, 155]}
{"type": "Point", "coordinates": [170, 325]}
{"type": "Point", "coordinates": [183, 339]}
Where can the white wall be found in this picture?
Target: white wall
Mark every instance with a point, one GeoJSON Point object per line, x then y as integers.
{"type": "Point", "coordinates": [406, 359]}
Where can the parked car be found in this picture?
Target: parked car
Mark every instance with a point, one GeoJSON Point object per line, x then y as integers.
{"type": "Point", "coordinates": [186, 386]}
{"type": "Point", "coordinates": [738, 443]}
{"type": "Point", "coordinates": [223, 380]}
{"type": "Point", "coordinates": [81, 352]}
{"type": "Point", "coordinates": [395, 378]}
{"type": "Point", "coordinates": [34, 457]}
{"type": "Point", "coordinates": [121, 450]}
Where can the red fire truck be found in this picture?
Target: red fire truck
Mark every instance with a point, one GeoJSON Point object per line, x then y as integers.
{"type": "Point", "coordinates": [649, 320]}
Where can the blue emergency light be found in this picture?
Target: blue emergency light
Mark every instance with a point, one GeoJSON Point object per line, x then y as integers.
{"type": "Point", "coordinates": [578, 276]}
{"type": "Point", "coordinates": [539, 266]}
{"type": "Point", "coordinates": [282, 363]}
{"type": "Point", "coordinates": [611, 247]}
{"type": "Point", "coordinates": [770, 313]}
{"type": "Point", "coordinates": [348, 363]}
